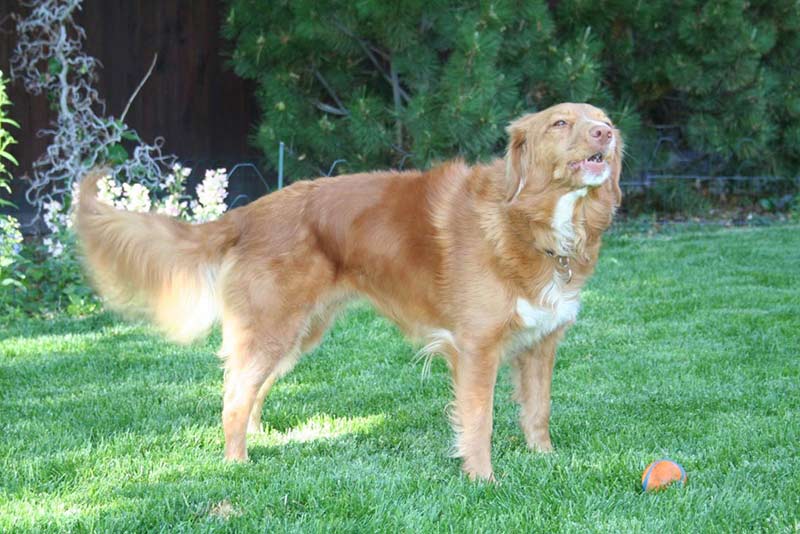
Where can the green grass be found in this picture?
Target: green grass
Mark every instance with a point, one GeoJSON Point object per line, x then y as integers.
{"type": "Point", "coordinates": [687, 347]}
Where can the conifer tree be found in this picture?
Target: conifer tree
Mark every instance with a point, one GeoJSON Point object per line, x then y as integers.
{"type": "Point", "coordinates": [408, 83]}
{"type": "Point", "coordinates": [400, 83]}
{"type": "Point", "coordinates": [722, 73]}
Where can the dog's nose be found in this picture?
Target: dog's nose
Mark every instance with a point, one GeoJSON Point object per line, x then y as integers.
{"type": "Point", "coordinates": [600, 135]}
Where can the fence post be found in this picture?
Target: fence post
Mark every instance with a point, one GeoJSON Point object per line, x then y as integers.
{"type": "Point", "coordinates": [280, 165]}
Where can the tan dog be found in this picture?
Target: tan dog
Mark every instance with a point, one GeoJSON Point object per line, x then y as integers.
{"type": "Point", "coordinates": [482, 261]}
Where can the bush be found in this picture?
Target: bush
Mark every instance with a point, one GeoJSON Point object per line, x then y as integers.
{"type": "Point", "coordinates": [6, 140]}
{"type": "Point", "coordinates": [50, 274]}
{"type": "Point", "coordinates": [386, 84]}
{"type": "Point", "coordinates": [391, 84]}
{"type": "Point", "coordinates": [10, 236]}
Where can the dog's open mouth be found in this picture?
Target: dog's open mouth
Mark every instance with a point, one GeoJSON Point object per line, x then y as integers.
{"type": "Point", "coordinates": [594, 164]}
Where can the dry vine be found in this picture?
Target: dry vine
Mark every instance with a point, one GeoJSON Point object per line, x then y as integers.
{"type": "Point", "coordinates": [49, 59]}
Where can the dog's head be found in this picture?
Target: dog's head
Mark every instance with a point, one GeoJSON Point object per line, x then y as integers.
{"type": "Point", "coordinates": [572, 145]}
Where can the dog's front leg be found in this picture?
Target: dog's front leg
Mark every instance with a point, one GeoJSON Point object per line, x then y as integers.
{"type": "Point", "coordinates": [533, 374]}
{"type": "Point", "coordinates": [474, 377]}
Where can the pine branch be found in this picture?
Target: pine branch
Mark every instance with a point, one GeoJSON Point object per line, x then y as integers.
{"type": "Point", "coordinates": [341, 110]}
{"type": "Point", "coordinates": [370, 51]}
{"type": "Point", "coordinates": [398, 125]}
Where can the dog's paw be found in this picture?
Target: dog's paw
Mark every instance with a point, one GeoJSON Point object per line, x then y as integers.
{"type": "Point", "coordinates": [540, 442]}
{"type": "Point", "coordinates": [544, 447]}
{"type": "Point", "coordinates": [481, 473]}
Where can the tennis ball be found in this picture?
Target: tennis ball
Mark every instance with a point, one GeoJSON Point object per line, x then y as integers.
{"type": "Point", "coordinates": [661, 473]}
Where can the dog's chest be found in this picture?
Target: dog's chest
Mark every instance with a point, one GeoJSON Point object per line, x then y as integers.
{"type": "Point", "coordinates": [553, 309]}
{"type": "Point", "coordinates": [555, 305]}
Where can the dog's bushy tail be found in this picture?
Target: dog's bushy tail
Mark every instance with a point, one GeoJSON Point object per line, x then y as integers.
{"type": "Point", "coordinates": [153, 265]}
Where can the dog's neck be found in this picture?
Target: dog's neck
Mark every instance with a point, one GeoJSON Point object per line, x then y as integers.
{"type": "Point", "coordinates": [562, 224]}
{"type": "Point", "coordinates": [551, 221]}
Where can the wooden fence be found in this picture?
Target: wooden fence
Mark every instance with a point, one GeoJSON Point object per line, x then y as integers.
{"type": "Point", "coordinates": [192, 99]}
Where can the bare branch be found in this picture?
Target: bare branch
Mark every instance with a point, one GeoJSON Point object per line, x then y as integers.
{"type": "Point", "coordinates": [49, 58]}
{"type": "Point", "coordinates": [341, 110]}
{"type": "Point", "coordinates": [368, 50]}
{"type": "Point", "coordinates": [330, 109]}
{"type": "Point", "coordinates": [139, 87]}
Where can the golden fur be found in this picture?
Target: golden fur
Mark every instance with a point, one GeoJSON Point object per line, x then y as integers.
{"type": "Point", "coordinates": [481, 261]}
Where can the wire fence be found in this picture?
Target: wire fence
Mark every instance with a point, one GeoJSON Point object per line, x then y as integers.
{"type": "Point", "coordinates": [668, 161]}
{"type": "Point", "coordinates": [666, 164]}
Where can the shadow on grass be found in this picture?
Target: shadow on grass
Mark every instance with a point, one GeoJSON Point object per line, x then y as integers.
{"type": "Point", "coordinates": [31, 327]}
{"type": "Point", "coordinates": [93, 388]}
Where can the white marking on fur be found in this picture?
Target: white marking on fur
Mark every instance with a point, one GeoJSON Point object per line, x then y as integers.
{"type": "Point", "coordinates": [562, 220]}
{"type": "Point", "coordinates": [597, 179]}
{"type": "Point", "coordinates": [540, 321]}
{"type": "Point", "coordinates": [440, 342]}
{"type": "Point", "coordinates": [593, 121]}
{"type": "Point", "coordinates": [522, 179]}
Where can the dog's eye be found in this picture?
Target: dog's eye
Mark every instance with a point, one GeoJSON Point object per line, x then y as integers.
{"type": "Point", "coordinates": [559, 123]}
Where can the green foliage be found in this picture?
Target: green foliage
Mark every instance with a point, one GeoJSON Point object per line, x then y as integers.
{"type": "Point", "coordinates": [724, 72]}
{"type": "Point", "coordinates": [48, 285]}
{"type": "Point", "coordinates": [6, 140]}
{"type": "Point", "coordinates": [385, 83]}
{"type": "Point", "coordinates": [10, 246]}
{"type": "Point", "coordinates": [10, 235]}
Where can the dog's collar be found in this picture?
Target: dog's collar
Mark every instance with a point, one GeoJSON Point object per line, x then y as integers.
{"type": "Point", "coordinates": [562, 263]}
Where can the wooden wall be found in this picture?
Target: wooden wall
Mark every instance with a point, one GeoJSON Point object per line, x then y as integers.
{"type": "Point", "coordinates": [192, 99]}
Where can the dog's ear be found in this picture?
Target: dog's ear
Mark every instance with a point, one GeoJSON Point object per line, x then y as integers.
{"type": "Point", "coordinates": [515, 161]}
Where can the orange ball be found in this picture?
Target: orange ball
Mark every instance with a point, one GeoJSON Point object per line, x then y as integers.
{"type": "Point", "coordinates": [660, 474]}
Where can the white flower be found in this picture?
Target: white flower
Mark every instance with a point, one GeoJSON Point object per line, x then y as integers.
{"type": "Point", "coordinates": [108, 190]}
{"type": "Point", "coordinates": [54, 246]}
{"type": "Point", "coordinates": [53, 219]}
{"type": "Point", "coordinates": [172, 206]}
{"type": "Point", "coordinates": [10, 240]}
{"type": "Point", "coordinates": [211, 194]}
{"type": "Point", "coordinates": [135, 197]}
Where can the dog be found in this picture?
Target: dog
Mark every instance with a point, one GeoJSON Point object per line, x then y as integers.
{"type": "Point", "coordinates": [485, 262]}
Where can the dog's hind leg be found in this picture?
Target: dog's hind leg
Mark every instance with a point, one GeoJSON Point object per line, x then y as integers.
{"type": "Point", "coordinates": [254, 425]}
{"type": "Point", "coordinates": [317, 324]}
{"type": "Point", "coordinates": [258, 349]}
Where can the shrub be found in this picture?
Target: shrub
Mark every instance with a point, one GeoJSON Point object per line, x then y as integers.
{"type": "Point", "coordinates": [51, 272]}
{"type": "Point", "coordinates": [386, 83]}
{"type": "Point", "coordinates": [49, 58]}
{"type": "Point", "coordinates": [10, 236]}
{"type": "Point", "coordinates": [6, 140]}
{"type": "Point", "coordinates": [402, 83]}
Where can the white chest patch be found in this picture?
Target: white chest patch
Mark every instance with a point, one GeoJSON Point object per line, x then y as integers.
{"type": "Point", "coordinates": [598, 179]}
{"type": "Point", "coordinates": [555, 309]}
{"type": "Point", "coordinates": [562, 220]}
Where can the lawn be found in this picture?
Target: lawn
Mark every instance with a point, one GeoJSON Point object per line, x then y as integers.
{"type": "Point", "coordinates": [686, 347]}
